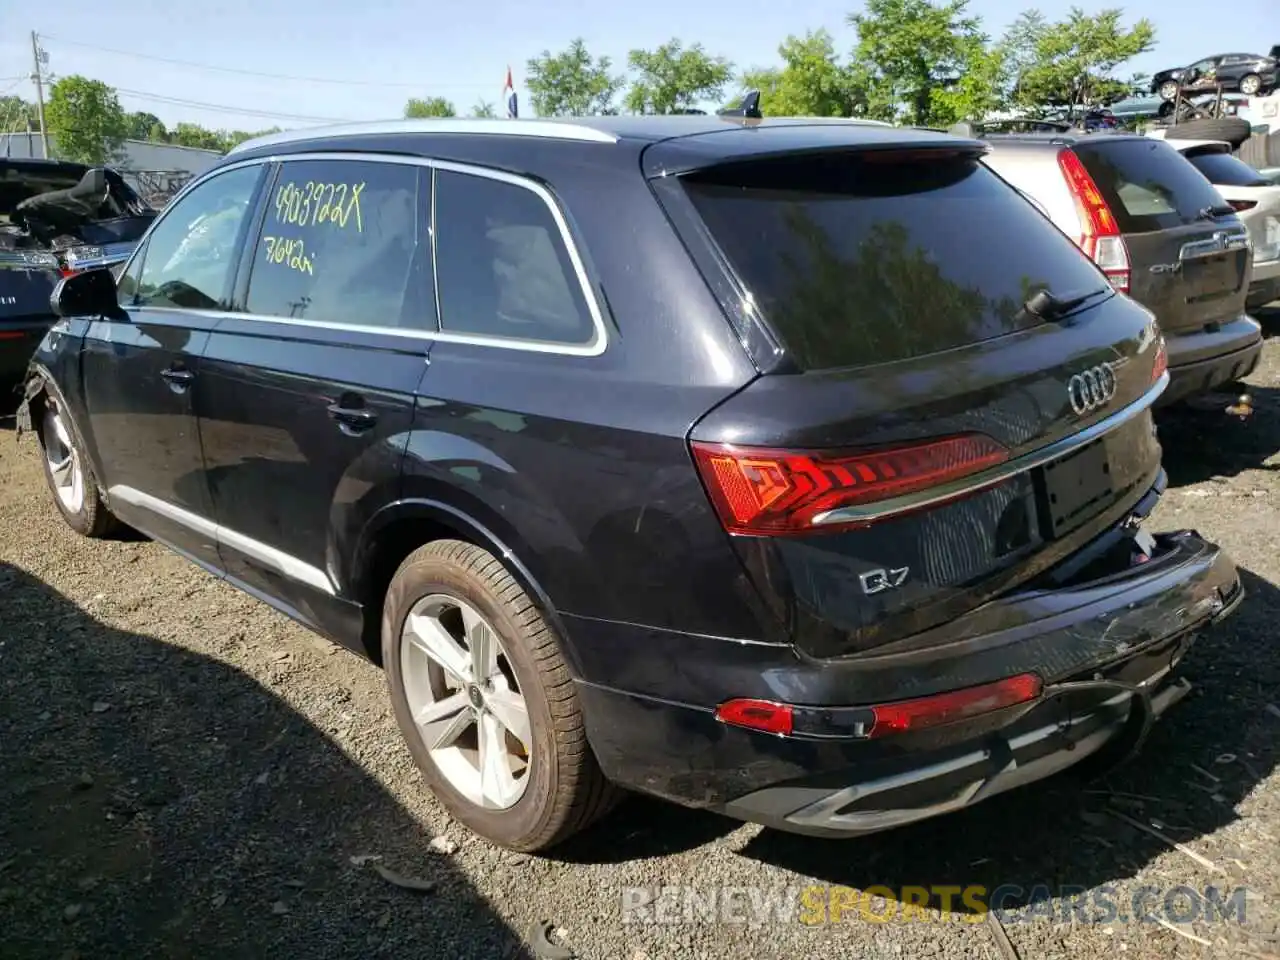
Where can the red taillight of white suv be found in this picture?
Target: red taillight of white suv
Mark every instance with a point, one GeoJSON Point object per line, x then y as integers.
{"type": "Point", "coordinates": [1100, 237]}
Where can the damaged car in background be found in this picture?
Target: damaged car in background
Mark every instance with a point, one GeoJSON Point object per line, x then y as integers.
{"type": "Point", "coordinates": [56, 218]}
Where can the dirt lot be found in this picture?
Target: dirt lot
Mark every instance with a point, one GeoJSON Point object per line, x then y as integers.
{"type": "Point", "coordinates": [185, 773]}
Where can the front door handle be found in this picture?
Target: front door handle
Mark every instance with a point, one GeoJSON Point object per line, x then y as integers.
{"type": "Point", "coordinates": [352, 419]}
{"type": "Point", "coordinates": [177, 378]}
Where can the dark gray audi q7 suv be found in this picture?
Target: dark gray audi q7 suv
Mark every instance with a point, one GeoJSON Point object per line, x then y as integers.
{"type": "Point", "coordinates": [791, 469]}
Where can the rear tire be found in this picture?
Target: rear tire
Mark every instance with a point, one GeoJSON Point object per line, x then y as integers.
{"type": "Point", "coordinates": [1250, 84]}
{"type": "Point", "coordinates": [1234, 130]}
{"type": "Point", "coordinates": [469, 659]}
{"type": "Point", "coordinates": [69, 475]}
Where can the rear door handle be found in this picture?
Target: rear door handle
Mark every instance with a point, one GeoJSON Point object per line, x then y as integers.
{"type": "Point", "coordinates": [352, 419]}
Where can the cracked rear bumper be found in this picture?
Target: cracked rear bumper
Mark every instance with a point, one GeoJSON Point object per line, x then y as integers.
{"type": "Point", "coordinates": [1105, 650]}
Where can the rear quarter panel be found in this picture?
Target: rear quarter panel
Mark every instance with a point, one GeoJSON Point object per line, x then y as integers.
{"type": "Point", "coordinates": [581, 464]}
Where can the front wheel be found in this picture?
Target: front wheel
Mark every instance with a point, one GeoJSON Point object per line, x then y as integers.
{"type": "Point", "coordinates": [1168, 90]}
{"type": "Point", "coordinates": [70, 478]}
{"type": "Point", "coordinates": [485, 701]}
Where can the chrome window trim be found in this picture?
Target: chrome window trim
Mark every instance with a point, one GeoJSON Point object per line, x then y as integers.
{"type": "Point", "coordinates": [284, 563]}
{"type": "Point", "coordinates": [592, 348]}
{"type": "Point", "coordinates": [997, 474]}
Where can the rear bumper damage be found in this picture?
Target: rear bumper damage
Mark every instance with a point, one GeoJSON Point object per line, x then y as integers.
{"type": "Point", "coordinates": [1105, 650]}
{"type": "Point", "coordinates": [1051, 738]}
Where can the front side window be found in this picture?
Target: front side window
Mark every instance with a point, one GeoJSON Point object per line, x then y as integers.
{"type": "Point", "coordinates": [345, 241]}
{"type": "Point", "coordinates": [192, 251]}
{"type": "Point", "coordinates": [502, 265]}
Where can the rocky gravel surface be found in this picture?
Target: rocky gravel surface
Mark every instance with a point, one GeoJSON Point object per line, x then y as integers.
{"type": "Point", "coordinates": [186, 773]}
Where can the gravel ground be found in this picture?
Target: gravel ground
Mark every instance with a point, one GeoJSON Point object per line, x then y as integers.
{"type": "Point", "coordinates": [186, 773]}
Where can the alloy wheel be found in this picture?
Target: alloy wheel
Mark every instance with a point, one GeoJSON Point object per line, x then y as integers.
{"type": "Point", "coordinates": [465, 700]}
{"type": "Point", "coordinates": [63, 461]}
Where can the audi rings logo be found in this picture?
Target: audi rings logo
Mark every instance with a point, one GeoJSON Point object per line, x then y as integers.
{"type": "Point", "coordinates": [1092, 389]}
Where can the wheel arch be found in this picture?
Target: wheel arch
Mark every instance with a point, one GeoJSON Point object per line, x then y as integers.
{"type": "Point", "coordinates": [402, 526]}
{"type": "Point", "coordinates": [39, 387]}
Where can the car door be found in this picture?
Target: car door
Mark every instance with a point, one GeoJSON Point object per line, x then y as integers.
{"type": "Point", "coordinates": [141, 369]}
{"type": "Point", "coordinates": [307, 392]}
{"type": "Point", "coordinates": [1201, 73]}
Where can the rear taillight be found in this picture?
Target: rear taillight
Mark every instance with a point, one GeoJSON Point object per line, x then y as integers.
{"type": "Point", "coordinates": [768, 492]}
{"type": "Point", "coordinates": [1100, 238]}
{"type": "Point", "coordinates": [1242, 204]}
{"type": "Point", "coordinates": [1161, 363]}
{"type": "Point", "coordinates": [933, 711]}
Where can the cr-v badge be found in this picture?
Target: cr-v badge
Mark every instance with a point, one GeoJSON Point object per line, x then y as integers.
{"type": "Point", "coordinates": [1092, 389]}
{"type": "Point", "coordinates": [877, 581]}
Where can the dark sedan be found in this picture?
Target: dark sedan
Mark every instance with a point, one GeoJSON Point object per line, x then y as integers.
{"type": "Point", "coordinates": [1248, 73]}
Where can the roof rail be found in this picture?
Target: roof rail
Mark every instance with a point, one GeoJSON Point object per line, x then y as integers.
{"type": "Point", "coordinates": [546, 129]}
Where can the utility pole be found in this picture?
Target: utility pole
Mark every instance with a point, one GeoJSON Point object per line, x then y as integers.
{"type": "Point", "coordinates": [38, 57]}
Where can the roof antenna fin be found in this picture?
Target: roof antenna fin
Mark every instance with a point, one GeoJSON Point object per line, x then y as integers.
{"type": "Point", "coordinates": [749, 107]}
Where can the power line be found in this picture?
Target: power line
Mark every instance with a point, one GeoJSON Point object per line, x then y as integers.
{"type": "Point", "coordinates": [258, 73]}
{"type": "Point", "coordinates": [225, 108]}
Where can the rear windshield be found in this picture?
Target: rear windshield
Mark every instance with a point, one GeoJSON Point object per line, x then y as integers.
{"type": "Point", "coordinates": [1228, 171]}
{"type": "Point", "coordinates": [856, 260]}
{"type": "Point", "coordinates": [1147, 184]}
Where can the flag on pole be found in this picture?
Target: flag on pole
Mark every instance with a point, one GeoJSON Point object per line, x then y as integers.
{"type": "Point", "coordinates": [509, 94]}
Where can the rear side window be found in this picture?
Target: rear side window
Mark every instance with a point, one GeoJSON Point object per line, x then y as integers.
{"type": "Point", "coordinates": [1147, 184]}
{"type": "Point", "coordinates": [502, 266]}
{"type": "Point", "coordinates": [1227, 171]}
{"type": "Point", "coordinates": [340, 243]}
{"type": "Point", "coordinates": [856, 260]}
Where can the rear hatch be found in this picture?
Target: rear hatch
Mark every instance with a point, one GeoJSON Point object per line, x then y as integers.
{"type": "Point", "coordinates": [1188, 253]}
{"type": "Point", "coordinates": [947, 431]}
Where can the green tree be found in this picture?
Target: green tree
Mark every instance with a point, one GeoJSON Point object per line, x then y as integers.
{"type": "Point", "coordinates": [673, 78]}
{"type": "Point", "coordinates": [910, 53]}
{"type": "Point", "coordinates": [17, 114]}
{"type": "Point", "coordinates": [194, 135]}
{"type": "Point", "coordinates": [142, 125]}
{"type": "Point", "coordinates": [429, 107]}
{"type": "Point", "coordinates": [86, 120]}
{"type": "Point", "coordinates": [982, 89]}
{"type": "Point", "coordinates": [484, 109]}
{"type": "Point", "coordinates": [1070, 63]}
{"type": "Point", "coordinates": [233, 137]}
{"type": "Point", "coordinates": [811, 82]}
{"type": "Point", "coordinates": [572, 83]}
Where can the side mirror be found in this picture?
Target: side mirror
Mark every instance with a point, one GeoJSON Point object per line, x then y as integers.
{"type": "Point", "coordinates": [88, 294]}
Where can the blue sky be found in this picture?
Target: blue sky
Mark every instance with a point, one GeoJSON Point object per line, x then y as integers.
{"type": "Point", "coordinates": [388, 50]}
